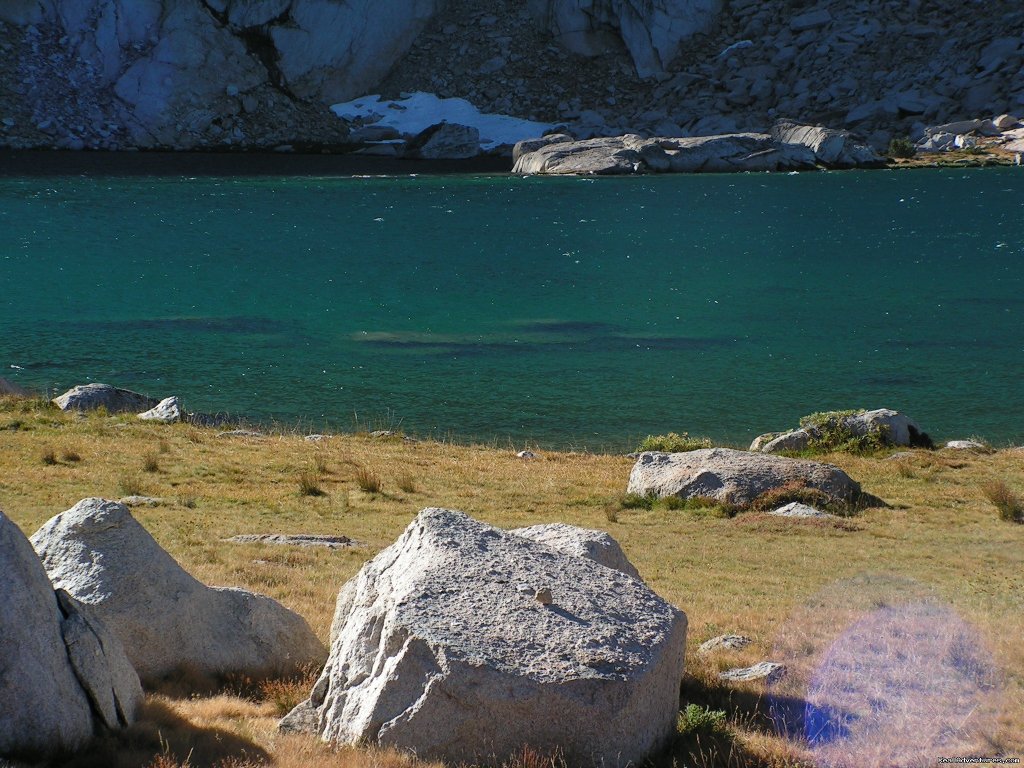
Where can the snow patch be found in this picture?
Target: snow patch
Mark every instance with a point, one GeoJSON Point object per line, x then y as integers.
{"type": "Point", "coordinates": [418, 111]}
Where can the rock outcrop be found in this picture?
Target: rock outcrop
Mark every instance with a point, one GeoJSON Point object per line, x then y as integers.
{"type": "Point", "coordinates": [734, 477]}
{"type": "Point", "coordinates": [886, 426]}
{"type": "Point", "coordinates": [165, 618]}
{"type": "Point", "coordinates": [464, 642]}
{"type": "Point", "coordinates": [89, 397]}
{"type": "Point", "coordinates": [795, 148]}
{"type": "Point", "coordinates": [652, 31]}
{"type": "Point", "coordinates": [598, 546]}
{"type": "Point", "coordinates": [63, 677]}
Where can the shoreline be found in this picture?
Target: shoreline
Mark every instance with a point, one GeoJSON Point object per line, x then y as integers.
{"type": "Point", "coordinates": [43, 163]}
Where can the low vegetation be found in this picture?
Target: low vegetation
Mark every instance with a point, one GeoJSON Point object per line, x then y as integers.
{"type": "Point", "coordinates": [830, 433]}
{"type": "Point", "coordinates": [673, 443]}
{"type": "Point", "coordinates": [777, 581]}
{"type": "Point", "coordinates": [1009, 504]}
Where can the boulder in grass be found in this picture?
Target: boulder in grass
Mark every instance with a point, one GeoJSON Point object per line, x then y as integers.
{"type": "Point", "coordinates": [581, 542]}
{"type": "Point", "coordinates": [166, 619]}
{"type": "Point", "coordinates": [734, 477]}
{"type": "Point", "coordinates": [90, 397]}
{"type": "Point", "coordinates": [167, 411]}
{"type": "Point", "coordinates": [884, 425]}
{"type": "Point", "coordinates": [466, 643]}
{"type": "Point", "coordinates": [63, 677]}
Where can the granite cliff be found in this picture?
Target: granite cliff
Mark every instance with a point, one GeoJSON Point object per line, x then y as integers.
{"type": "Point", "coordinates": [116, 74]}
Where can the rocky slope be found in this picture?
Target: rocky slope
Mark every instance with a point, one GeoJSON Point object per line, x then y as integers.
{"type": "Point", "coordinates": [114, 74]}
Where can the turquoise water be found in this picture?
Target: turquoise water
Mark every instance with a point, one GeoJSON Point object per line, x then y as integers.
{"type": "Point", "coordinates": [562, 312]}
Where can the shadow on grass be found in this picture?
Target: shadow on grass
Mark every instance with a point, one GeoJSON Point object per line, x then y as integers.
{"type": "Point", "coordinates": [163, 737]}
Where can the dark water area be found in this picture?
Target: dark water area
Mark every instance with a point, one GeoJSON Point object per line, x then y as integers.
{"type": "Point", "coordinates": [558, 312]}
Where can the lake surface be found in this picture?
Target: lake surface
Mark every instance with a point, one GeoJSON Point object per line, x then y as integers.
{"type": "Point", "coordinates": [558, 312]}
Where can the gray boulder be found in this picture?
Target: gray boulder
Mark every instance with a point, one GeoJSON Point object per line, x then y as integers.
{"type": "Point", "coordinates": [165, 618]}
{"type": "Point", "coordinates": [598, 546]}
{"type": "Point", "coordinates": [725, 642]}
{"type": "Point", "coordinates": [464, 642]}
{"type": "Point", "coordinates": [763, 670]}
{"type": "Point", "coordinates": [891, 427]}
{"type": "Point", "coordinates": [89, 397]}
{"type": "Point", "coordinates": [62, 676]}
{"type": "Point", "coordinates": [736, 477]}
{"type": "Point", "coordinates": [167, 411]}
{"type": "Point", "coordinates": [601, 156]}
{"type": "Point", "coordinates": [445, 141]}
{"type": "Point", "coordinates": [796, 509]}
{"type": "Point", "coordinates": [527, 146]}
{"type": "Point", "coordinates": [797, 440]}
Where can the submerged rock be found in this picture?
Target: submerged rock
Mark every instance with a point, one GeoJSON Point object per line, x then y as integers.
{"type": "Point", "coordinates": [735, 477]}
{"type": "Point", "coordinates": [463, 642]}
{"type": "Point", "coordinates": [166, 619]}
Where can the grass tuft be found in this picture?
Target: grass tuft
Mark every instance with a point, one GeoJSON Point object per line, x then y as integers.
{"type": "Point", "coordinates": [406, 483]}
{"type": "Point", "coordinates": [150, 462]}
{"type": "Point", "coordinates": [309, 484]}
{"type": "Point", "coordinates": [70, 455]}
{"type": "Point", "coordinates": [369, 481]}
{"type": "Point", "coordinates": [131, 485]}
{"type": "Point", "coordinates": [1009, 504]}
{"type": "Point", "coordinates": [48, 457]}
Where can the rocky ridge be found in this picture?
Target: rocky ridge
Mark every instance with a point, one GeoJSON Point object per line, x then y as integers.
{"type": "Point", "coordinates": [109, 74]}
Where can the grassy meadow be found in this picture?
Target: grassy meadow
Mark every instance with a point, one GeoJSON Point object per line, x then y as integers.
{"type": "Point", "coordinates": [940, 563]}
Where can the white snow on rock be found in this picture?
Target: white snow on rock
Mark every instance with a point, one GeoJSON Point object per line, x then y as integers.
{"type": "Point", "coordinates": [418, 111]}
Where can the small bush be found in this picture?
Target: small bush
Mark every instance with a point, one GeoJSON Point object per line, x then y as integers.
{"type": "Point", "coordinates": [309, 484]}
{"type": "Point", "coordinates": [150, 463]}
{"type": "Point", "coordinates": [902, 147]}
{"type": "Point", "coordinates": [637, 501]}
{"type": "Point", "coordinates": [696, 720]}
{"type": "Point", "coordinates": [369, 481]}
{"type": "Point", "coordinates": [673, 443]}
{"type": "Point", "coordinates": [830, 432]}
{"type": "Point", "coordinates": [1009, 504]}
{"type": "Point", "coordinates": [71, 455]}
{"type": "Point", "coordinates": [48, 457]}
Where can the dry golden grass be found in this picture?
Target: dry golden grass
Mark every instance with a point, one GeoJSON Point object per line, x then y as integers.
{"type": "Point", "coordinates": [753, 575]}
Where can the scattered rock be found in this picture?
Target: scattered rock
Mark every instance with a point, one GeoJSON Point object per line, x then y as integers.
{"type": "Point", "coordinates": [316, 438]}
{"type": "Point", "coordinates": [797, 440]}
{"type": "Point", "coordinates": [527, 455]}
{"type": "Point", "coordinates": [296, 540]}
{"type": "Point", "coordinates": [435, 649]}
{"type": "Point", "coordinates": [725, 642]}
{"type": "Point", "coordinates": [167, 411]}
{"type": "Point", "coordinates": [763, 670]}
{"type": "Point", "coordinates": [63, 677]}
{"type": "Point", "coordinates": [966, 445]}
{"type": "Point", "coordinates": [796, 509]}
{"type": "Point", "coordinates": [89, 397]}
{"type": "Point", "coordinates": [141, 501]}
{"type": "Point", "coordinates": [735, 477]}
{"type": "Point", "coordinates": [165, 619]}
{"type": "Point", "coordinates": [598, 546]}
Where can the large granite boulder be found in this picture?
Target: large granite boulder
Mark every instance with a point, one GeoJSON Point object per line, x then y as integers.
{"type": "Point", "coordinates": [598, 546]}
{"type": "Point", "coordinates": [734, 477]}
{"type": "Point", "coordinates": [165, 618]}
{"type": "Point", "coordinates": [167, 411]}
{"type": "Point", "coordinates": [89, 397]}
{"type": "Point", "coordinates": [464, 642]}
{"type": "Point", "coordinates": [652, 30]}
{"type": "Point", "coordinates": [63, 677]}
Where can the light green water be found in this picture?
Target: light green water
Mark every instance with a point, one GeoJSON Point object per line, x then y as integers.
{"type": "Point", "coordinates": [556, 311]}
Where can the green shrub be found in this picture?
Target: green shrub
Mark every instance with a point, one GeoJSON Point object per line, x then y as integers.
{"type": "Point", "coordinates": [637, 501]}
{"type": "Point", "coordinates": [830, 433]}
{"type": "Point", "coordinates": [902, 147]}
{"type": "Point", "coordinates": [1009, 504]}
{"type": "Point", "coordinates": [696, 719]}
{"type": "Point", "coordinates": [673, 443]}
